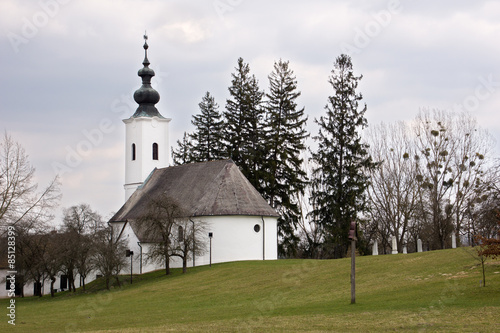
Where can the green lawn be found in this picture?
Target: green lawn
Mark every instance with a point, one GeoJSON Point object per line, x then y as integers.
{"type": "Point", "coordinates": [424, 292]}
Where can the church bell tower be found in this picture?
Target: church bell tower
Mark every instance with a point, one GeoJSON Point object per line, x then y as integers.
{"type": "Point", "coordinates": [146, 133]}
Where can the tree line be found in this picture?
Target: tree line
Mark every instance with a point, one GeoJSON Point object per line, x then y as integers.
{"type": "Point", "coordinates": [438, 177]}
{"type": "Point", "coordinates": [424, 179]}
{"type": "Point", "coordinates": [83, 244]}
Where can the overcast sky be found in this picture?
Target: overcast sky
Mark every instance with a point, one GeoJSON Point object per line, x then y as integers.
{"type": "Point", "coordinates": [69, 68]}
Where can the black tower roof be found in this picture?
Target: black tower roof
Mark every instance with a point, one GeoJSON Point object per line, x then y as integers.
{"type": "Point", "coordinates": [146, 96]}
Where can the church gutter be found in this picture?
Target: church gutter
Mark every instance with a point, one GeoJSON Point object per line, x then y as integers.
{"type": "Point", "coordinates": [140, 266]}
{"type": "Point", "coordinates": [194, 243]}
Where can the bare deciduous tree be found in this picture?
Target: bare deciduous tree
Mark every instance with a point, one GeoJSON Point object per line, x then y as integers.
{"type": "Point", "coordinates": [184, 241]}
{"type": "Point", "coordinates": [454, 154]}
{"type": "Point", "coordinates": [392, 192]}
{"type": "Point", "coordinates": [109, 257]}
{"type": "Point", "coordinates": [172, 232]}
{"type": "Point", "coordinates": [432, 180]}
{"type": "Point", "coordinates": [19, 198]}
{"type": "Point", "coordinates": [68, 257]}
{"type": "Point", "coordinates": [31, 250]}
{"type": "Point", "coordinates": [159, 220]}
{"type": "Point", "coordinates": [52, 258]}
{"type": "Point", "coordinates": [81, 225]}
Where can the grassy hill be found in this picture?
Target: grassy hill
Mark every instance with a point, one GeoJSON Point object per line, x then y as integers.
{"type": "Point", "coordinates": [435, 291]}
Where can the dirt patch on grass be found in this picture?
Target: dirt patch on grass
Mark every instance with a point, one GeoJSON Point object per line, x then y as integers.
{"type": "Point", "coordinates": [459, 275]}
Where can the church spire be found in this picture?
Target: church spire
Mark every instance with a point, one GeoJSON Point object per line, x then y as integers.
{"type": "Point", "coordinates": [146, 96]}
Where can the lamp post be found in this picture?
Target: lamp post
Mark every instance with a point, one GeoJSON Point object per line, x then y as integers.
{"type": "Point", "coordinates": [130, 254]}
{"type": "Point", "coordinates": [210, 235]}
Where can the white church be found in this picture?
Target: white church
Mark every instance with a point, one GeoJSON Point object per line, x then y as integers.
{"type": "Point", "coordinates": [241, 224]}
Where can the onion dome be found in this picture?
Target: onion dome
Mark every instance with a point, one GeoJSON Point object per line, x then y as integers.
{"type": "Point", "coordinates": [146, 96]}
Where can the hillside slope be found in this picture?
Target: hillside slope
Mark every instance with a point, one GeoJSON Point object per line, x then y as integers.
{"type": "Point", "coordinates": [430, 291]}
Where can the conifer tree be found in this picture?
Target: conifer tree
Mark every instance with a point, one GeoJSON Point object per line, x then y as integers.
{"type": "Point", "coordinates": [207, 137]}
{"type": "Point", "coordinates": [243, 128]}
{"type": "Point", "coordinates": [183, 153]}
{"type": "Point", "coordinates": [342, 161]}
{"type": "Point", "coordinates": [284, 178]}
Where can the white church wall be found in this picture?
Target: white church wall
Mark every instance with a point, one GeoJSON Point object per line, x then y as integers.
{"type": "Point", "coordinates": [148, 266]}
{"type": "Point", "coordinates": [235, 239]}
{"type": "Point", "coordinates": [140, 262]}
{"type": "Point", "coordinates": [131, 241]}
{"type": "Point", "coordinates": [271, 231]}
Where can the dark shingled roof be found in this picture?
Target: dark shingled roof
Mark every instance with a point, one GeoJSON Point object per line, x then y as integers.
{"type": "Point", "coordinates": [202, 189]}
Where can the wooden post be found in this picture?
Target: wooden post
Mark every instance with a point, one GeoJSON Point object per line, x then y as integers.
{"type": "Point", "coordinates": [353, 236]}
{"type": "Point", "coordinates": [353, 271]}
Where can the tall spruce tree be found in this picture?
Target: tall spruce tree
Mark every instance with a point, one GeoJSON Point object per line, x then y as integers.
{"type": "Point", "coordinates": [183, 154]}
{"type": "Point", "coordinates": [243, 128]}
{"type": "Point", "coordinates": [340, 176]}
{"type": "Point", "coordinates": [205, 143]}
{"type": "Point", "coordinates": [284, 178]}
{"type": "Point", "coordinates": [207, 137]}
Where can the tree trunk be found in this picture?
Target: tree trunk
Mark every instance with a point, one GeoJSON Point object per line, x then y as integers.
{"type": "Point", "coordinates": [70, 282]}
{"type": "Point", "coordinates": [184, 264]}
{"type": "Point", "coordinates": [483, 259]}
{"type": "Point", "coordinates": [52, 281]}
{"type": "Point", "coordinates": [38, 283]}
{"type": "Point", "coordinates": [167, 265]}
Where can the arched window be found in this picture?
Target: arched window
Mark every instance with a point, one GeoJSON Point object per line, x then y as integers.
{"type": "Point", "coordinates": [155, 151]}
{"type": "Point", "coordinates": [133, 152]}
{"type": "Point", "coordinates": [181, 233]}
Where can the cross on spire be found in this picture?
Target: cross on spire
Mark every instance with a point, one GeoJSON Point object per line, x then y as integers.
{"type": "Point", "coordinates": [146, 46]}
